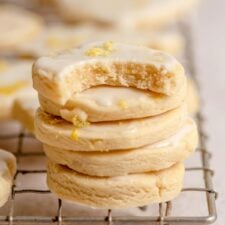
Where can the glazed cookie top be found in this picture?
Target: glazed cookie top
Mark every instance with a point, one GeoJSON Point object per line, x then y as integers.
{"type": "Point", "coordinates": [17, 26]}
{"type": "Point", "coordinates": [58, 77]}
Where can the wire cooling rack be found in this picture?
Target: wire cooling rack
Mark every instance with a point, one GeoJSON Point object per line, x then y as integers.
{"type": "Point", "coordinates": [163, 213]}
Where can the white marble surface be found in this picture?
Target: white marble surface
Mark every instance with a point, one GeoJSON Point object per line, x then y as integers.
{"type": "Point", "coordinates": [210, 53]}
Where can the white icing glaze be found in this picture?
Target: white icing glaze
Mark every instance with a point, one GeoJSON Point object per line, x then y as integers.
{"type": "Point", "coordinates": [59, 66]}
{"type": "Point", "coordinates": [69, 114]}
{"type": "Point", "coordinates": [123, 127]}
{"type": "Point", "coordinates": [175, 139]}
{"type": "Point", "coordinates": [107, 96]}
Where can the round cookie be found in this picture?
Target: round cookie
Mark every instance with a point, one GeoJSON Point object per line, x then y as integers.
{"type": "Point", "coordinates": [115, 192]}
{"type": "Point", "coordinates": [17, 26]}
{"type": "Point", "coordinates": [15, 82]}
{"type": "Point", "coordinates": [105, 103]}
{"type": "Point", "coordinates": [127, 13]}
{"type": "Point", "coordinates": [106, 63]}
{"type": "Point", "coordinates": [56, 38]}
{"type": "Point", "coordinates": [157, 156]}
{"type": "Point", "coordinates": [7, 172]}
{"type": "Point", "coordinates": [106, 136]}
{"type": "Point", "coordinates": [192, 99]}
{"type": "Point", "coordinates": [24, 109]}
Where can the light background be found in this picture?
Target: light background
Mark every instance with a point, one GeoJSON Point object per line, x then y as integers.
{"type": "Point", "coordinates": [209, 27]}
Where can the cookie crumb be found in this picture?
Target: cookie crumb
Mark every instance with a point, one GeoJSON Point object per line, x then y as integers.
{"type": "Point", "coordinates": [78, 123]}
{"type": "Point", "coordinates": [103, 50]}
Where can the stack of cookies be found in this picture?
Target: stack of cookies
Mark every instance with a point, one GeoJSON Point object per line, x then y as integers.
{"type": "Point", "coordinates": [114, 124]}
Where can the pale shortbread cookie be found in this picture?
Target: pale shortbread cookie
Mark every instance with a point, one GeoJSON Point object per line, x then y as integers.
{"type": "Point", "coordinates": [105, 103]}
{"type": "Point", "coordinates": [24, 109]}
{"type": "Point", "coordinates": [15, 82]}
{"type": "Point", "coordinates": [105, 136]}
{"type": "Point", "coordinates": [192, 99]}
{"type": "Point", "coordinates": [126, 13]}
{"type": "Point", "coordinates": [57, 38]}
{"type": "Point", "coordinates": [17, 26]}
{"type": "Point", "coordinates": [106, 63]}
{"type": "Point", "coordinates": [115, 192]}
{"type": "Point", "coordinates": [7, 172]}
{"type": "Point", "coordinates": [153, 157]}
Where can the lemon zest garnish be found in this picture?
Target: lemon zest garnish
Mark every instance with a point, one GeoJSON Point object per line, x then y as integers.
{"type": "Point", "coordinates": [7, 90]}
{"type": "Point", "coordinates": [3, 66]}
{"type": "Point", "coordinates": [123, 104]}
{"type": "Point", "coordinates": [96, 52]}
{"type": "Point", "coordinates": [104, 50]}
{"type": "Point", "coordinates": [74, 135]}
{"type": "Point", "coordinates": [108, 46]}
{"type": "Point", "coordinates": [77, 122]}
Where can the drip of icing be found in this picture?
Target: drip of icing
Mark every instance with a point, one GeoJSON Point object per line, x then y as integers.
{"type": "Point", "coordinates": [70, 114]}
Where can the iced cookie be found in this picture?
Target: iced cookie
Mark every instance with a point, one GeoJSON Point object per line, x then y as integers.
{"type": "Point", "coordinates": [105, 103]}
{"type": "Point", "coordinates": [7, 172]}
{"type": "Point", "coordinates": [192, 99]}
{"type": "Point", "coordinates": [24, 109]}
{"type": "Point", "coordinates": [126, 13]}
{"type": "Point", "coordinates": [106, 63]}
{"type": "Point", "coordinates": [115, 192]}
{"type": "Point", "coordinates": [15, 81]}
{"type": "Point", "coordinates": [17, 26]}
{"type": "Point", "coordinates": [58, 38]}
{"type": "Point", "coordinates": [157, 156]}
{"type": "Point", "coordinates": [106, 136]}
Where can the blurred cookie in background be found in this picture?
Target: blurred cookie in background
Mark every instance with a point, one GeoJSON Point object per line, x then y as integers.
{"type": "Point", "coordinates": [24, 109]}
{"type": "Point", "coordinates": [15, 82]}
{"type": "Point", "coordinates": [17, 26]}
{"type": "Point", "coordinates": [126, 13]}
{"type": "Point", "coordinates": [56, 38]}
{"type": "Point", "coordinates": [7, 172]}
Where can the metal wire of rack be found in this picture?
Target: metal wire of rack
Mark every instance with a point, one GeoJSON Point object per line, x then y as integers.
{"type": "Point", "coordinates": [165, 209]}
